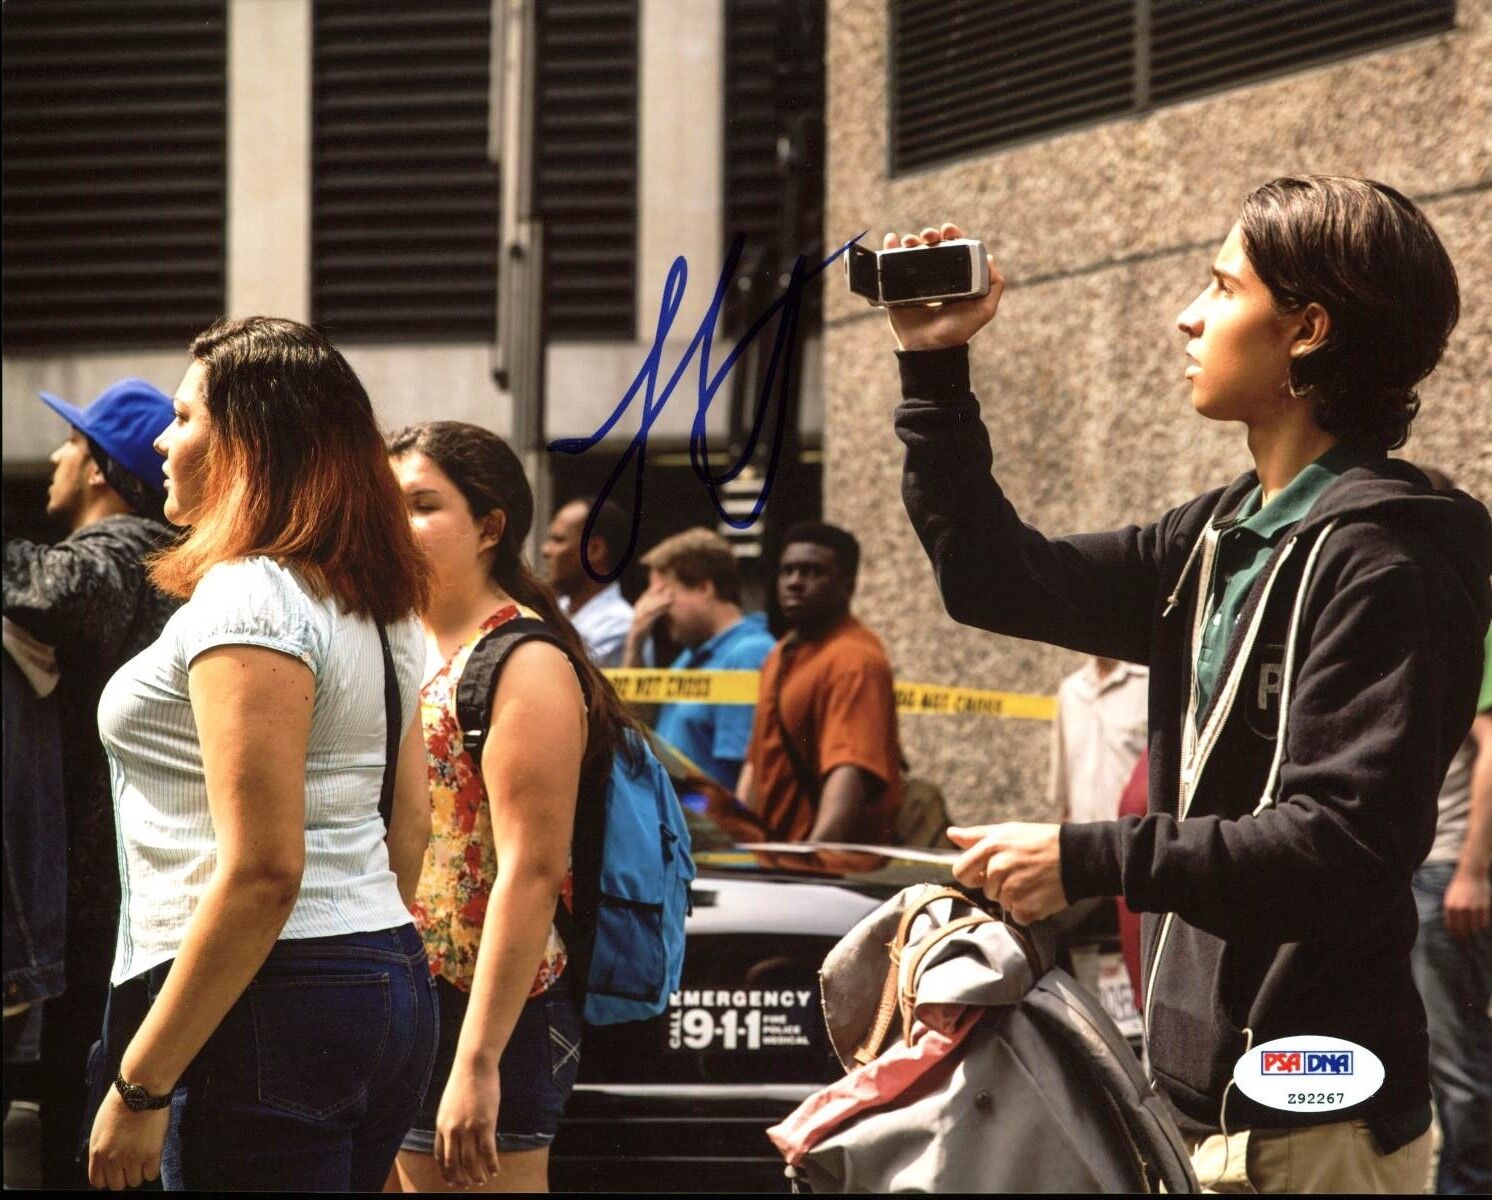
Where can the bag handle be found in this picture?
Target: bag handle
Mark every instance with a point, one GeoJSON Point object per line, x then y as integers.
{"type": "Point", "coordinates": [892, 1001]}
{"type": "Point", "coordinates": [908, 1002]}
{"type": "Point", "coordinates": [886, 1010]}
{"type": "Point", "coordinates": [392, 721]}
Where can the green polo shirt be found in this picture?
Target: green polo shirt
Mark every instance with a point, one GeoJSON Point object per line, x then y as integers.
{"type": "Point", "coordinates": [1243, 549]}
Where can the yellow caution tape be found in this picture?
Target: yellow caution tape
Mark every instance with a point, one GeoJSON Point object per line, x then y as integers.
{"type": "Point", "coordinates": [961, 701]}
{"type": "Point", "coordinates": [656, 686]}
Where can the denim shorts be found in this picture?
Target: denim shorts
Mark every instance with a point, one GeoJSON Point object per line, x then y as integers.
{"type": "Point", "coordinates": [536, 1073]}
{"type": "Point", "coordinates": [312, 1078]}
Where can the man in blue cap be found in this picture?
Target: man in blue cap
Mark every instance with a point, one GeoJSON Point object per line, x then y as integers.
{"type": "Point", "coordinates": [89, 596]}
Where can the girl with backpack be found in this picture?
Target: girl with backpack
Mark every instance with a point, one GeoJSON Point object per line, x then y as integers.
{"type": "Point", "coordinates": [498, 881]}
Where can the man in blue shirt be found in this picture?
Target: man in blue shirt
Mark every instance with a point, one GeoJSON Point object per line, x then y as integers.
{"type": "Point", "coordinates": [695, 585]}
{"type": "Point", "coordinates": [597, 608]}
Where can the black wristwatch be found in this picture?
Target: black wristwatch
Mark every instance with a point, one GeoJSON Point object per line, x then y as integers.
{"type": "Point", "coordinates": [136, 1098]}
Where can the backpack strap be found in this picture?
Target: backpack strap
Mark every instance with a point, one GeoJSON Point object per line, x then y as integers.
{"type": "Point", "coordinates": [1101, 1056]}
{"type": "Point", "coordinates": [393, 722]}
{"type": "Point", "coordinates": [807, 777]}
{"type": "Point", "coordinates": [474, 695]}
{"type": "Point", "coordinates": [480, 674]}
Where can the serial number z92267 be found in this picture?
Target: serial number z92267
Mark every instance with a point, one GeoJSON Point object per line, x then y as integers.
{"type": "Point", "coordinates": [1314, 1097]}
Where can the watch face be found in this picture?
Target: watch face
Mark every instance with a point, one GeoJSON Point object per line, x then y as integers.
{"type": "Point", "coordinates": [136, 1098]}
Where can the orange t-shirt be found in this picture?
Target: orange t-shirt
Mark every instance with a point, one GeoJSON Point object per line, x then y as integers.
{"type": "Point", "coordinates": [839, 705]}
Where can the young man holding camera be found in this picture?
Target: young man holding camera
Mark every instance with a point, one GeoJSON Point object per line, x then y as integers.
{"type": "Point", "coordinates": [1313, 637]}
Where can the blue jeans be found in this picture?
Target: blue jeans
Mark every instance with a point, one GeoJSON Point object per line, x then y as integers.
{"type": "Point", "coordinates": [1454, 977]}
{"type": "Point", "coordinates": [535, 1075]}
{"type": "Point", "coordinates": [312, 1079]}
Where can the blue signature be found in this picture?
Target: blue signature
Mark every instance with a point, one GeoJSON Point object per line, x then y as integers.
{"type": "Point", "coordinates": [654, 400]}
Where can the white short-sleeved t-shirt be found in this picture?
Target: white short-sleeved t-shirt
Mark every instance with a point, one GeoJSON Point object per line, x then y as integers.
{"type": "Point", "coordinates": [167, 847]}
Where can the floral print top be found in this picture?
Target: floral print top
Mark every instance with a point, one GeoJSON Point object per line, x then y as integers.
{"type": "Point", "coordinates": [451, 901]}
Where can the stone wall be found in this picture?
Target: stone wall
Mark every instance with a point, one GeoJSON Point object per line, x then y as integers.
{"type": "Point", "coordinates": [1105, 234]}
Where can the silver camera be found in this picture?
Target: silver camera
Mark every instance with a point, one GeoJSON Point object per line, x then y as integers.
{"type": "Point", "coordinates": [953, 270]}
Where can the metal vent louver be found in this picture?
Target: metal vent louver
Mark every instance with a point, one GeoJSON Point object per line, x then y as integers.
{"type": "Point", "coordinates": [585, 154]}
{"type": "Point", "coordinates": [1201, 47]}
{"type": "Point", "coordinates": [972, 76]}
{"type": "Point", "coordinates": [405, 199]}
{"type": "Point", "coordinates": [774, 92]}
{"type": "Point", "coordinates": [114, 135]}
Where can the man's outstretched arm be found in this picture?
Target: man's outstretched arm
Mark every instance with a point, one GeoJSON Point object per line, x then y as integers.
{"type": "Point", "coordinates": [1092, 593]}
{"type": "Point", "coordinates": [80, 591]}
{"type": "Point", "coordinates": [1354, 812]}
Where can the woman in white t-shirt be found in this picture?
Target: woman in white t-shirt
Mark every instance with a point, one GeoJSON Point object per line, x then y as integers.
{"type": "Point", "coordinates": [287, 1016]}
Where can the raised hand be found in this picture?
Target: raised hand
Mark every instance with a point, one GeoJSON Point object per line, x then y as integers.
{"type": "Point", "coordinates": [941, 326]}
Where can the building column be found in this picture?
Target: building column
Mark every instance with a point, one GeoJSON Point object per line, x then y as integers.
{"type": "Point", "coordinates": [269, 158]}
{"type": "Point", "coordinates": [680, 128]}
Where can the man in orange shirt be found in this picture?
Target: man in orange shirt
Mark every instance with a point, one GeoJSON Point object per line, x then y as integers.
{"type": "Point", "coordinates": [824, 763]}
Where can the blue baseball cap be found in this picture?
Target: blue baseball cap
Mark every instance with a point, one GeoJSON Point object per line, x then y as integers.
{"type": "Point", "coordinates": [125, 420]}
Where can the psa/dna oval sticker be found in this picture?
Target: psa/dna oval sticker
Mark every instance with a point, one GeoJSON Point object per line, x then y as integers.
{"type": "Point", "coordinates": [1308, 1074]}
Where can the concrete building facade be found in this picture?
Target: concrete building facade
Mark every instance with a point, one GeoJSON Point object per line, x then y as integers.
{"type": "Point", "coordinates": [1105, 234]}
{"type": "Point", "coordinates": [269, 257]}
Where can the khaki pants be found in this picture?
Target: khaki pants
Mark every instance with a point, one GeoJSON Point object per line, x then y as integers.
{"type": "Point", "coordinates": [1343, 1157]}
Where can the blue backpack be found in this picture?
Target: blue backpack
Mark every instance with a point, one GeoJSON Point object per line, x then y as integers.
{"type": "Point", "coordinates": [630, 856]}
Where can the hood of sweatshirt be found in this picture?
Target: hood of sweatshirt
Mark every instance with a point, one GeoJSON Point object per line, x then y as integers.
{"type": "Point", "coordinates": [1391, 492]}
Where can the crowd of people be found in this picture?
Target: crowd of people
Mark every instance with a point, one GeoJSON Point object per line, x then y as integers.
{"type": "Point", "coordinates": [330, 951]}
{"type": "Point", "coordinates": [308, 939]}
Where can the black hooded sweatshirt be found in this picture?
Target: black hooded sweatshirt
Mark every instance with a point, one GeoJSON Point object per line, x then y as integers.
{"type": "Point", "coordinates": [1273, 872]}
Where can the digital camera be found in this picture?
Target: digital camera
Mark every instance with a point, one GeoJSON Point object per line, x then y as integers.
{"type": "Point", "coordinates": [953, 270]}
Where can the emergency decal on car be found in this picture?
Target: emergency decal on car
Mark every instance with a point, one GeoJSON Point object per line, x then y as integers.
{"type": "Point", "coordinates": [740, 1018]}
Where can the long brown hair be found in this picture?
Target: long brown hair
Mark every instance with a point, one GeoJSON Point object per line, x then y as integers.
{"type": "Point", "coordinates": [295, 469]}
{"type": "Point", "coordinates": [487, 472]}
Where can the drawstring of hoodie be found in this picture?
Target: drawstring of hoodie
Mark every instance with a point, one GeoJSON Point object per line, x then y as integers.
{"type": "Point", "coordinates": [1222, 1116]}
{"type": "Point", "coordinates": [1186, 569]}
{"type": "Point", "coordinates": [1175, 597]}
{"type": "Point", "coordinates": [1287, 670]}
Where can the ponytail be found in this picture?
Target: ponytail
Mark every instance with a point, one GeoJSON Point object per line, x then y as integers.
{"type": "Point", "coordinates": [490, 476]}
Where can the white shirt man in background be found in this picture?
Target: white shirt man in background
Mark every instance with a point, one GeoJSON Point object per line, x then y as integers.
{"type": "Point", "coordinates": [1097, 737]}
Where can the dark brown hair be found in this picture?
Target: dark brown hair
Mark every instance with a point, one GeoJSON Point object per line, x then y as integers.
{"type": "Point", "coordinates": [144, 500]}
{"type": "Point", "coordinates": [295, 469]}
{"type": "Point", "coordinates": [1369, 257]}
{"type": "Point", "coordinates": [486, 471]}
{"type": "Point", "coordinates": [842, 542]}
{"type": "Point", "coordinates": [697, 556]}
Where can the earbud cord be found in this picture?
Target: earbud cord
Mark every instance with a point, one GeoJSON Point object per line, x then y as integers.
{"type": "Point", "coordinates": [1222, 1116]}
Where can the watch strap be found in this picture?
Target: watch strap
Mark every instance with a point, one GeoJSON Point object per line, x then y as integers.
{"type": "Point", "coordinates": [136, 1098]}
